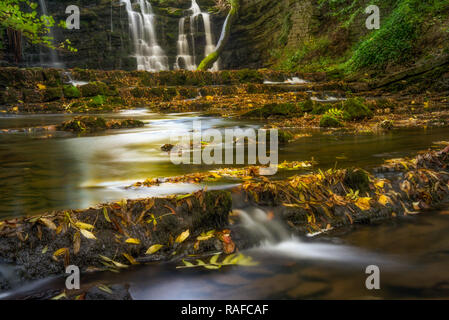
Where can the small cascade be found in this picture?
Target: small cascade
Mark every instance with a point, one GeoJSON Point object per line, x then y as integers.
{"type": "Point", "coordinates": [261, 226]}
{"type": "Point", "coordinates": [186, 58]}
{"type": "Point", "coordinates": [54, 61]}
{"type": "Point", "coordinates": [275, 240]}
{"type": "Point", "coordinates": [149, 55]}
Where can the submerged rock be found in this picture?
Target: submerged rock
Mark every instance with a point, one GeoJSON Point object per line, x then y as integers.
{"type": "Point", "coordinates": [92, 124]}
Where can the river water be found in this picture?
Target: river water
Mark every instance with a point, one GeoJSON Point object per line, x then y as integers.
{"type": "Point", "coordinates": [40, 173]}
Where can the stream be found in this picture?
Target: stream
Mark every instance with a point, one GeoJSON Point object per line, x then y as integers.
{"type": "Point", "coordinates": [42, 173]}
{"type": "Point", "coordinates": [39, 173]}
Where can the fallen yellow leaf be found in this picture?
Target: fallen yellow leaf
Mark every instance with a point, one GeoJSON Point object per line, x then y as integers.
{"type": "Point", "coordinates": [130, 259]}
{"type": "Point", "coordinates": [363, 203]}
{"type": "Point", "coordinates": [88, 234]}
{"type": "Point", "coordinates": [48, 223]}
{"type": "Point", "coordinates": [132, 241]}
{"type": "Point", "coordinates": [83, 225]}
{"type": "Point", "coordinates": [154, 248]}
{"type": "Point", "coordinates": [183, 236]}
{"type": "Point", "coordinates": [384, 200]}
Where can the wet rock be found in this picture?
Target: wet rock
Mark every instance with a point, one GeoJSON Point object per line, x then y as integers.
{"type": "Point", "coordinates": [52, 94]}
{"type": "Point", "coordinates": [92, 124]}
{"type": "Point", "coordinates": [167, 147]}
{"type": "Point", "coordinates": [119, 292]}
{"type": "Point", "coordinates": [387, 125]}
{"type": "Point", "coordinates": [309, 289]}
{"type": "Point", "coordinates": [328, 121]}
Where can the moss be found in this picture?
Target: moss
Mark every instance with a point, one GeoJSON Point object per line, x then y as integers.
{"type": "Point", "coordinates": [357, 179]}
{"type": "Point", "coordinates": [328, 121]}
{"type": "Point", "coordinates": [274, 109]}
{"type": "Point", "coordinates": [356, 109]}
{"type": "Point", "coordinates": [320, 108]}
{"type": "Point", "coordinates": [306, 106]}
{"type": "Point", "coordinates": [97, 101]}
{"type": "Point", "coordinates": [84, 124]}
{"type": "Point", "coordinates": [92, 124]}
{"type": "Point", "coordinates": [52, 94]}
{"type": "Point", "coordinates": [94, 89]}
{"type": "Point", "coordinates": [249, 76]}
{"type": "Point", "coordinates": [71, 92]}
{"type": "Point", "coordinates": [214, 216]}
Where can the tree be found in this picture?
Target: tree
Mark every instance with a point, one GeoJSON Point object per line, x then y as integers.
{"type": "Point", "coordinates": [225, 33]}
{"type": "Point", "coordinates": [20, 19]}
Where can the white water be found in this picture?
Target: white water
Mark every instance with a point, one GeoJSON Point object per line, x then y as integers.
{"type": "Point", "coordinates": [186, 58]}
{"type": "Point", "coordinates": [277, 241]}
{"type": "Point", "coordinates": [149, 55]}
{"type": "Point", "coordinates": [294, 80]}
{"type": "Point", "coordinates": [54, 61]}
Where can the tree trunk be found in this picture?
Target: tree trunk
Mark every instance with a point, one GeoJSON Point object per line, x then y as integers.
{"type": "Point", "coordinates": [208, 61]}
{"type": "Point", "coordinates": [15, 43]}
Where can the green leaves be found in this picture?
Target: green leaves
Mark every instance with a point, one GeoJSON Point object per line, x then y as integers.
{"type": "Point", "coordinates": [21, 15]}
{"type": "Point", "coordinates": [214, 264]}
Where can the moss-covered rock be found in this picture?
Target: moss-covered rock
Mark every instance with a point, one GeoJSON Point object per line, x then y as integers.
{"type": "Point", "coordinates": [357, 179]}
{"type": "Point", "coordinates": [275, 109]}
{"type": "Point", "coordinates": [356, 109]}
{"type": "Point", "coordinates": [84, 124]}
{"type": "Point", "coordinates": [91, 124]}
{"type": "Point", "coordinates": [94, 89]}
{"type": "Point", "coordinates": [321, 108]}
{"type": "Point", "coordinates": [52, 94]}
{"type": "Point", "coordinates": [306, 106]}
{"type": "Point", "coordinates": [71, 92]}
{"type": "Point", "coordinates": [328, 121]}
{"type": "Point", "coordinates": [97, 101]}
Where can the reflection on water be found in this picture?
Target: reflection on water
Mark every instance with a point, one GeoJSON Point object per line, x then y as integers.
{"type": "Point", "coordinates": [79, 171]}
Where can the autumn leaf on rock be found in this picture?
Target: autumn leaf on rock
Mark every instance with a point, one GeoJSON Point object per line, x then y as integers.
{"type": "Point", "coordinates": [88, 234]}
{"type": "Point", "coordinates": [363, 203]}
{"type": "Point", "coordinates": [48, 223]}
{"type": "Point", "coordinates": [132, 241]}
{"type": "Point", "coordinates": [183, 236]}
{"type": "Point", "coordinates": [154, 248]}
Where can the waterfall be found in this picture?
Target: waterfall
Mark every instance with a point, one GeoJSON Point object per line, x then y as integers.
{"type": "Point", "coordinates": [186, 58]}
{"type": "Point", "coordinates": [149, 55]}
{"type": "Point", "coordinates": [54, 61]}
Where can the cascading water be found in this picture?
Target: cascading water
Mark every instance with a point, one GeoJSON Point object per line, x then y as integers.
{"type": "Point", "coordinates": [54, 61]}
{"type": "Point", "coordinates": [149, 55]}
{"type": "Point", "coordinates": [186, 58]}
{"type": "Point", "coordinates": [275, 240]}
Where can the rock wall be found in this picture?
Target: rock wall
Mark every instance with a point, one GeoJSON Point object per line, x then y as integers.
{"type": "Point", "coordinates": [103, 41]}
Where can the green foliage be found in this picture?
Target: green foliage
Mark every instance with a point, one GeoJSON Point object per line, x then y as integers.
{"type": "Point", "coordinates": [392, 43]}
{"type": "Point", "coordinates": [335, 113]}
{"type": "Point", "coordinates": [21, 15]}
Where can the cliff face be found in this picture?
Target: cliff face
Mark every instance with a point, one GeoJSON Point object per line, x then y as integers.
{"type": "Point", "coordinates": [291, 35]}
{"type": "Point", "coordinates": [104, 41]}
